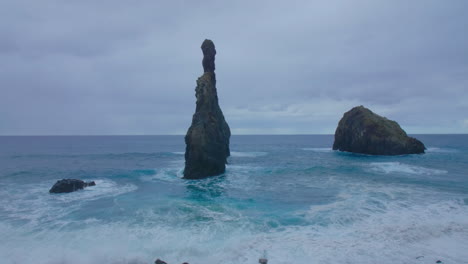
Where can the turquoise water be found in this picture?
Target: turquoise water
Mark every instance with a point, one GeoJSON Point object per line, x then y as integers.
{"type": "Point", "coordinates": [290, 198]}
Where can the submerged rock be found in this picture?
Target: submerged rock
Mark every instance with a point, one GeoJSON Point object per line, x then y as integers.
{"type": "Point", "coordinates": [207, 139]}
{"type": "Point", "coordinates": [362, 131]}
{"type": "Point", "coordinates": [70, 185]}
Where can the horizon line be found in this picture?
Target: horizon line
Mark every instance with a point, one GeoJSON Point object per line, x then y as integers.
{"type": "Point", "coordinates": [117, 135]}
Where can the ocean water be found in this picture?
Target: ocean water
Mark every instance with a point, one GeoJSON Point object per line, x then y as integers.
{"type": "Point", "coordinates": [289, 198]}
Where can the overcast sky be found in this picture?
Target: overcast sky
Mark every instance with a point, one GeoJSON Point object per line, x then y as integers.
{"type": "Point", "coordinates": [84, 67]}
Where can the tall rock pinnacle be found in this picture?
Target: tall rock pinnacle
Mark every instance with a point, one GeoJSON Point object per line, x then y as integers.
{"type": "Point", "coordinates": [209, 53]}
{"type": "Point", "coordinates": [207, 139]}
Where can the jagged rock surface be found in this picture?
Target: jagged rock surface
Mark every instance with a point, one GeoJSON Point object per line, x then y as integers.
{"type": "Point", "coordinates": [69, 185]}
{"type": "Point", "coordinates": [362, 131]}
{"type": "Point", "coordinates": [207, 139]}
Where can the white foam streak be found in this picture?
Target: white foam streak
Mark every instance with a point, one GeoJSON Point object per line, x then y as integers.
{"type": "Point", "coordinates": [397, 167]}
{"type": "Point", "coordinates": [166, 175]}
{"type": "Point", "coordinates": [318, 149]}
{"type": "Point", "coordinates": [440, 150]}
{"type": "Point", "coordinates": [252, 154]}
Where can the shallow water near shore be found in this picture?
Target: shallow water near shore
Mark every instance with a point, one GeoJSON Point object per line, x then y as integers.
{"type": "Point", "coordinates": [290, 198]}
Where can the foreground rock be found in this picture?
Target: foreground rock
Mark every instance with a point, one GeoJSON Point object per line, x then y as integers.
{"type": "Point", "coordinates": [362, 131]}
{"type": "Point", "coordinates": [158, 261]}
{"type": "Point", "coordinates": [261, 261]}
{"type": "Point", "coordinates": [207, 139]}
{"type": "Point", "coordinates": [70, 185]}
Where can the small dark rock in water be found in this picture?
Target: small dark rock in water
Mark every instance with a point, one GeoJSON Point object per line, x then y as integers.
{"type": "Point", "coordinates": [158, 261]}
{"type": "Point", "coordinates": [70, 185]}
{"type": "Point", "coordinates": [362, 131]}
{"type": "Point", "coordinates": [91, 183]}
{"type": "Point", "coordinates": [438, 261]}
{"type": "Point", "coordinates": [207, 139]}
{"type": "Point", "coordinates": [263, 261]}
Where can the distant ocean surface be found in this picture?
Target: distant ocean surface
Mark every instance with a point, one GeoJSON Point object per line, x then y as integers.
{"type": "Point", "coordinates": [289, 198]}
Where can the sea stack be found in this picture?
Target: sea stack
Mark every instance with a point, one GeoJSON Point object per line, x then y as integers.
{"type": "Point", "coordinates": [207, 139]}
{"type": "Point", "coordinates": [362, 131]}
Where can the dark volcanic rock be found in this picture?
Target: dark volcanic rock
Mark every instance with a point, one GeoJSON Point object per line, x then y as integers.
{"type": "Point", "coordinates": [362, 131]}
{"type": "Point", "coordinates": [207, 139]}
{"type": "Point", "coordinates": [91, 183]}
{"type": "Point", "coordinates": [69, 185]}
{"type": "Point", "coordinates": [209, 52]}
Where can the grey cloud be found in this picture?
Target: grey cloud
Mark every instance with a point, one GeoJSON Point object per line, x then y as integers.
{"type": "Point", "coordinates": [121, 67]}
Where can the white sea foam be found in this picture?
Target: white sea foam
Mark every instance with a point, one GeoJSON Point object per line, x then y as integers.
{"type": "Point", "coordinates": [318, 149]}
{"type": "Point", "coordinates": [440, 150]}
{"type": "Point", "coordinates": [394, 235]}
{"type": "Point", "coordinates": [103, 188]}
{"type": "Point", "coordinates": [179, 152]}
{"type": "Point", "coordinates": [398, 235]}
{"type": "Point", "coordinates": [165, 174]}
{"type": "Point", "coordinates": [241, 177]}
{"type": "Point", "coordinates": [33, 203]}
{"type": "Point", "coordinates": [367, 224]}
{"type": "Point", "coordinates": [251, 154]}
{"type": "Point", "coordinates": [397, 167]}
